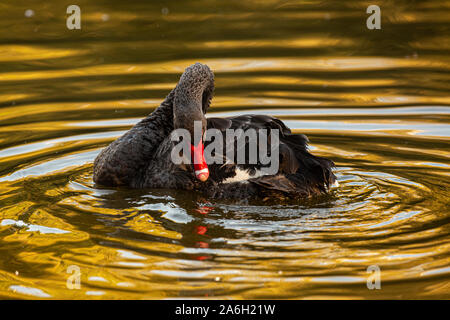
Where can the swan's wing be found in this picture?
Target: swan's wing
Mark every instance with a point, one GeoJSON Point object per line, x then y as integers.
{"type": "Point", "coordinates": [298, 169]}
{"type": "Point", "coordinates": [288, 161]}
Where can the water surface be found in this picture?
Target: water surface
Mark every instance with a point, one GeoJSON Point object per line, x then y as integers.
{"type": "Point", "coordinates": [374, 101]}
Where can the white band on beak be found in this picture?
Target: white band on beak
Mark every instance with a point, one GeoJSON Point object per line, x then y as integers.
{"type": "Point", "coordinates": [201, 171]}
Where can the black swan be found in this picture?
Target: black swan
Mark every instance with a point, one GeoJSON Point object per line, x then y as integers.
{"type": "Point", "coordinates": [141, 158]}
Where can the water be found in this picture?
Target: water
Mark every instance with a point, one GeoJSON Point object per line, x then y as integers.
{"type": "Point", "coordinates": [376, 102]}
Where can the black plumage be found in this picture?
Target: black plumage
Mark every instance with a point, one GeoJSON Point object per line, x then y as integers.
{"type": "Point", "coordinates": [141, 157]}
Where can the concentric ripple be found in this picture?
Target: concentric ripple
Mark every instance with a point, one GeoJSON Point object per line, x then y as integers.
{"type": "Point", "coordinates": [377, 104]}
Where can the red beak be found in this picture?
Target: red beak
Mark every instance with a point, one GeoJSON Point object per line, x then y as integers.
{"type": "Point", "coordinates": [200, 167]}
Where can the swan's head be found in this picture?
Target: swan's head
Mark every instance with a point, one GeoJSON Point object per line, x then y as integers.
{"type": "Point", "coordinates": [193, 95]}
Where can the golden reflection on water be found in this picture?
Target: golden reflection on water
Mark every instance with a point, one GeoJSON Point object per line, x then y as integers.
{"type": "Point", "coordinates": [376, 102]}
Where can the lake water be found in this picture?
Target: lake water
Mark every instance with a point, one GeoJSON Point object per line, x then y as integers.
{"type": "Point", "coordinates": [374, 101]}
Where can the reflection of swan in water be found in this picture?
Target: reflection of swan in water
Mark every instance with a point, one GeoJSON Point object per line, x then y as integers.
{"type": "Point", "coordinates": [141, 157]}
{"type": "Point", "coordinates": [172, 211]}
